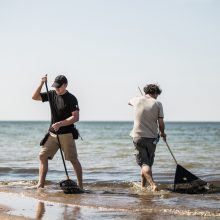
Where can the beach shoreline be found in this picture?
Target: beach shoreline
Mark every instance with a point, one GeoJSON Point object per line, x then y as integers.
{"type": "Point", "coordinates": [19, 206]}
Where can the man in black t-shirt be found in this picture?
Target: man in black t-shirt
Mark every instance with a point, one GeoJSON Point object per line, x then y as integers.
{"type": "Point", "coordinates": [65, 112]}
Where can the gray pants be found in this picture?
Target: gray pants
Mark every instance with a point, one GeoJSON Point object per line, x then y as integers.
{"type": "Point", "coordinates": [145, 151]}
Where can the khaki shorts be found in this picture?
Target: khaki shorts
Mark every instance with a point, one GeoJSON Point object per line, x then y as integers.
{"type": "Point", "coordinates": [68, 146]}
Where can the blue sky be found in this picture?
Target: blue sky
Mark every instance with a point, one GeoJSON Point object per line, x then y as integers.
{"type": "Point", "coordinates": [107, 49]}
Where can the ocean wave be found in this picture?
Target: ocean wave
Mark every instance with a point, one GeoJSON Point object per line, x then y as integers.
{"type": "Point", "coordinates": [18, 170]}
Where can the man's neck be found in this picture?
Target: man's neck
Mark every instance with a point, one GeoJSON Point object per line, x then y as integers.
{"type": "Point", "coordinates": [64, 92]}
{"type": "Point", "coordinates": [154, 96]}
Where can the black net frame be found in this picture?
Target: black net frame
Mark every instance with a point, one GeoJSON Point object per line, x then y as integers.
{"type": "Point", "coordinates": [186, 182]}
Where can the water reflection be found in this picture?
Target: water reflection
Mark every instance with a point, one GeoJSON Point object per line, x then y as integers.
{"type": "Point", "coordinates": [40, 210]}
{"type": "Point", "coordinates": [66, 212]}
{"type": "Point", "coordinates": [71, 212]}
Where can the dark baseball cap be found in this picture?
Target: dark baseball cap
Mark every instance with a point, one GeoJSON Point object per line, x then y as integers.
{"type": "Point", "coordinates": [59, 81]}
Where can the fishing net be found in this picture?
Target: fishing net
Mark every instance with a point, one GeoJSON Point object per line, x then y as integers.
{"type": "Point", "coordinates": [70, 187]}
{"type": "Point", "coordinates": [186, 182]}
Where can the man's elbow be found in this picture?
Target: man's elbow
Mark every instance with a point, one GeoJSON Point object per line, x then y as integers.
{"type": "Point", "coordinates": [77, 118]}
{"type": "Point", "coordinates": [34, 97]}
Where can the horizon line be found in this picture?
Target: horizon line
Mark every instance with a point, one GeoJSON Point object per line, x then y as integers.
{"type": "Point", "coordinates": [110, 121]}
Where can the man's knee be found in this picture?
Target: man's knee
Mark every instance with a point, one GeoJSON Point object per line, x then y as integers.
{"type": "Point", "coordinates": [74, 161]}
{"type": "Point", "coordinates": [145, 168]}
{"type": "Point", "coordinates": [43, 158]}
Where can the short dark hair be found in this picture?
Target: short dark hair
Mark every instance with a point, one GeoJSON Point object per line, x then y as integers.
{"type": "Point", "coordinates": [152, 89]}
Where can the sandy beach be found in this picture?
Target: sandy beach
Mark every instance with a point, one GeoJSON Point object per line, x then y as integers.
{"type": "Point", "coordinates": [5, 214]}
{"type": "Point", "coordinates": [18, 206]}
{"type": "Point", "coordinates": [15, 206]}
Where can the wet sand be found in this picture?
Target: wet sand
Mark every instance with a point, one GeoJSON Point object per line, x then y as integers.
{"type": "Point", "coordinates": [5, 214]}
{"type": "Point", "coordinates": [15, 206]}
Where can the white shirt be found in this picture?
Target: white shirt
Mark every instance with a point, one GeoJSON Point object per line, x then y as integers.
{"type": "Point", "coordinates": [147, 110]}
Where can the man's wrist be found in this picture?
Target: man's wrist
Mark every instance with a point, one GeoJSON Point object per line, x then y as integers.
{"type": "Point", "coordinates": [162, 134]}
{"type": "Point", "coordinates": [61, 123]}
{"type": "Point", "coordinates": [41, 84]}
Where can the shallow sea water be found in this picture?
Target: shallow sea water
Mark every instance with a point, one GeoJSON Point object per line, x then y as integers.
{"type": "Point", "coordinates": [111, 174]}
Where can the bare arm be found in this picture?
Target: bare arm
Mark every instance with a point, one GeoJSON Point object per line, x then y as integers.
{"type": "Point", "coordinates": [36, 96]}
{"type": "Point", "coordinates": [72, 119]}
{"type": "Point", "coordinates": [162, 128]}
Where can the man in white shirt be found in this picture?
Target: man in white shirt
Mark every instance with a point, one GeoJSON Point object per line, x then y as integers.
{"type": "Point", "coordinates": [148, 121]}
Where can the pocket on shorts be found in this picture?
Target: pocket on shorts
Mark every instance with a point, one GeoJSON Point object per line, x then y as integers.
{"type": "Point", "coordinates": [43, 141]}
{"type": "Point", "coordinates": [138, 157]}
{"type": "Point", "coordinates": [137, 142]}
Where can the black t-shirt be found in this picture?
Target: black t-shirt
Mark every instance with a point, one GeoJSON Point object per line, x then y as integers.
{"type": "Point", "coordinates": [62, 108]}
